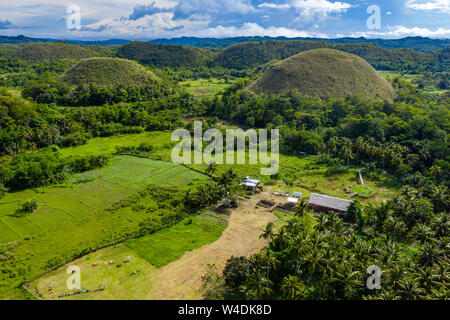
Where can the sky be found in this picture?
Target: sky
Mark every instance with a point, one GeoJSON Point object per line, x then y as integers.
{"type": "Point", "coordinates": [152, 19]}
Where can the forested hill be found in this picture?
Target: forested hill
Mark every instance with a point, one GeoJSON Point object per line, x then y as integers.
{"type": "Point", "coordinates": [417, 43]}
{"type": "Point", "coordinates": [43, 51]}
{"type": "Point", "coordinates": [164, 55]}
{"type": "Point", "coordinates": [253, 54]}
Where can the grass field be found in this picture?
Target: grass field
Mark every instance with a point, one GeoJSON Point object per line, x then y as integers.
{"type": "Point", "coordinates": [107, 145]}
{"type": "Point", "coordinates": [60, 205]}
{"type": "Point", "coordinates": [147, 255]}
{"type": "Point", "coordinates": [304, 175]}
{"type": "Point", "coordinates": [411, 77]}
{"type": "Point", "coordinates": [170, 244]}
{"type": "Point", "coordinates": [204, 87]}
{"type": "Point", "coordinates": [71, 220]}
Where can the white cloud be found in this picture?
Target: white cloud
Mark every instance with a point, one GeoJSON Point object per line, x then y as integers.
{"type": "Point", "coordinates": [253, 29]}
{"type": "Point", "coordinates": [274, 6]}
{"type": "Point", "coordinates": [319, 8]}
{"type": "Point", "coordinates": [162, 25]}
{"type": "Point", "coordinates": [435, 5]}
{"type": "Point", "coordinates": [402, 31]}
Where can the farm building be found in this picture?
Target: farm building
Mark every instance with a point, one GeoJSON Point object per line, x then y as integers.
{"type": "Point", "coordinates": [295, 198]}
{"type": "Point", "coordinates": [251, 184]}
{"type": "Point", "coordinates": [324, 203]}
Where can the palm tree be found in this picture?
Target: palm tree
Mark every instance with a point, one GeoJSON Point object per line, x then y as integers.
{"type": "Point", "coordinates": [301, 209]}
{"type": "Point", "coordinates": [422, 233]}
{"type": "Point", "coordinates": [345, 280]}
{"type": "Point", "coordinates": [259, 285]}
{"type": "Point", "coordinates": [410, 290]}
{"type": "Point", "coordinates": [282, 239]}
{"type": "Point", "coordinates": [441, 225]}
{"type": "Point", "coordinates": [268, 231]}
{"type": "Point", "coordinates": [441, 199]}
{"type": "Point", "coordinates": [270, 260]}
{"type": "Point", "coordinates": [291, 287]}
{"type": "Point", "coordinates": [347, 154]}
{"type": "Point", "coordinates": [396, 275]}
{"type": "Point", "coordinates": [211, 169]}
{"type": "Point", "coordinates": [430, 255]}
{"type": "Point", "coordinates": [315, 260]}
{"type": "Point", "coordinates": [427, 279]}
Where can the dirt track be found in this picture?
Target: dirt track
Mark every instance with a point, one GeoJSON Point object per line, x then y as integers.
{"type": "Point", "coordinates": [181, 279]}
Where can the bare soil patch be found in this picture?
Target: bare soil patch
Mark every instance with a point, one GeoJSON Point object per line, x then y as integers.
{"type": "Point", "coordinates": [181, 279]}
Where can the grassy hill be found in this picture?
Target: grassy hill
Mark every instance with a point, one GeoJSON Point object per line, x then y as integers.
{"type": "Point", "coordinates": [324, 72]}
{"type": "Point", "coordinates": [254, 54]}
{"type": "Point", "coordinates": [108, 73]}
{"type": "Point", "coordinates": [42, 51]}
{"type": "Point", "coordinates": [164, 55]}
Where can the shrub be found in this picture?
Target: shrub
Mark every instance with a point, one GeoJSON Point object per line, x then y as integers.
{"type": "Point", "coordinates": [3, 190]}
{"type": "Point", "coordinates": [29, 205]}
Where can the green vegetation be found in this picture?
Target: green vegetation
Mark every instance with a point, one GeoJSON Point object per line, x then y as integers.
{"type": "Point", "coordinates": [163, 55]}
{"type": "Point", "coordinates": [89, 143]}
{"type": "Point", "coordinates": [130, 198]}
{"type": "Point", "coordinates": [323, 73]}
{"type": "Point", "coordinates": [329, 258]}
{"type": "Point", "coordinates": [108, 73]}
{"type": "Point", "coordinates": [204, 87]}
{"type": "Point", "coordinates": [77, 201]}
{"type": "Point", "coordinates": [29, 205]}
{"type": "Point", "coordinates": [132, 279]}
{"type": "Point", "coordinates": [42, 51]}
{"type": "Point", "coordinates": [170, 244]}
{"type": "Point", "coordinates": [254, 54]}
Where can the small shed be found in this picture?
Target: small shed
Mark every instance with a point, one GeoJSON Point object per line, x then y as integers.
{"type": "Point", "coordinates": [251, 184]}
{"type": "Point", "coordinates": [297, 195]}
{"type": "Point", "coordinates": [292, 200]}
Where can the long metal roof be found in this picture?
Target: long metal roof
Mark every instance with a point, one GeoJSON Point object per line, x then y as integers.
{"type": "Point", "coordinates": [330, 202]}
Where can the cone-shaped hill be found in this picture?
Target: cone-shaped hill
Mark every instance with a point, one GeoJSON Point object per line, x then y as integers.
{"type": "Point", "coordinates": [42, 51]}
{"type": "Point", "coordinates": [109, 73]}
{"type": "Point", "coordinates": [324, 72]}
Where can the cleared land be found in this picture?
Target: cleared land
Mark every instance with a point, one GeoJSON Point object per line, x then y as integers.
{"type": "Point", "coordinates": [204, 87]}
{"type": "Point", "coordinates": [180, 275]}
{"type": "Point", "coordinates": [146, 253]}
{"type": "Point", "coordinates": [60, 205]}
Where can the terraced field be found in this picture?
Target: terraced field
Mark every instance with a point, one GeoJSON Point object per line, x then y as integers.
{"type": "Point", "coordinates": [60, 205]}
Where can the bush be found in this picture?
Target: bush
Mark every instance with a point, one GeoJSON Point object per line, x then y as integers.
{"type": "Point", "coordinates": [3, 190]}
{"type": "Point", "coordinates": [29, 205]}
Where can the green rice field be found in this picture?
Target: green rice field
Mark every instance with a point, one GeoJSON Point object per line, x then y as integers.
{"type": "Point", "coordinates": [60, 205]}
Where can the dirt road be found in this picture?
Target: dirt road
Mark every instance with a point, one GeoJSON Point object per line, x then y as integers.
{"type": "Point", "coordinates": [181, 279]}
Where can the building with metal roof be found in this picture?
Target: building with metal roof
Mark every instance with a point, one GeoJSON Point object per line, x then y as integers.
{"type": "Point", "coordinates": [325, 203]}
{"type": "Point", "coordinates": [296, 194]}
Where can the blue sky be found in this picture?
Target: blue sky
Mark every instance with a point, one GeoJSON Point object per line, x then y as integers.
{"type": "Point", "coordinates": [150, 19]}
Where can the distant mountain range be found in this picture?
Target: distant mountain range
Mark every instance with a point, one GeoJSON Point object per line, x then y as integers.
{"type": "Point", "coordinates": [417, 43]}
{"type": "Point", "coordinates": [23, 39]}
